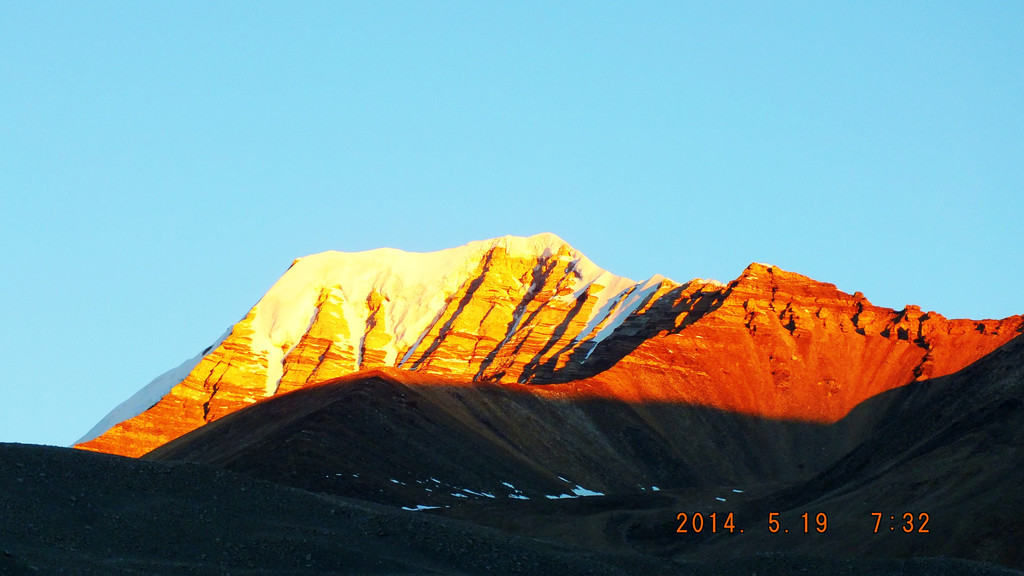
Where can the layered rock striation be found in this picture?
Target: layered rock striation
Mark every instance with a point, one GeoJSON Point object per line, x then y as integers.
{"type": "Point", "coordinates": [780, 345]}
{"type": "Point", "coordinates": [533, 310]}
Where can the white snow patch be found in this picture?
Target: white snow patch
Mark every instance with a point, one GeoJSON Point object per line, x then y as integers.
{"type": "Point", "coordinates": [516, 493]}
{"type": "Point", "coordinates": [150, 394]}
{"type": "Point", "coordinates": [577, 492]}
{"type": "Point", "coordinates": [616, 288]}
{"type": "Point", "coordinates": [415, 287]}
{"type": "Point", "coordinates": [484, 494]}
{"type": "Point", "coordinates": [719, 499]}
{"type": "Point", "coordinates": [458, 495]}
{"type": "Point", "coordinates": [581, 491]}
{"type": "Point", "coordinates": [737, 491]}
{"type": "Point", "coordinates": [628, 305]}
{"type": "Point", "coordinates": [419, 507]}
{"type": "Point", "coordinates": [655, 488]}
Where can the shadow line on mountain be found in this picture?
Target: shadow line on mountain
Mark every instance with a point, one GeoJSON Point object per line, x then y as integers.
{"type": "Point", "coordinates": [608, 441]}
{"type": "Point", "coordinates": [946, 451]}
{"type": "Point", "coordinates": [934, 446]}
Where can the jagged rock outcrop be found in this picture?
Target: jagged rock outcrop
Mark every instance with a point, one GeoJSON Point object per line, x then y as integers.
{"type": "Point", "coordinates": [534, 310]}
{"type": "Point", "coordinates": [777, 344]}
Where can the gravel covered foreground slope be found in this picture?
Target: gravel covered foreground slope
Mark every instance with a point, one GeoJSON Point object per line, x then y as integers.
{"type": "Point", "coordinates": [70, 512]}
{"type": "Point", "coordinates": [73, 512]}
{"type": "Point", "coordinates": [947, 451]}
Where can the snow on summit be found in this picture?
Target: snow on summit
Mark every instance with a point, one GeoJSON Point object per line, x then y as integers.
{"type": "Point", "coordinates": [535, 311]}
{"type": "Point", "coordinates": [416, 285]}
{"type": "Point", "coordinates": [508, 309]}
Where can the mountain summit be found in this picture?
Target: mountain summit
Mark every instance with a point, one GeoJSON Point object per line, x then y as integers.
{"type": "Point", "coordinates": [518, 311]}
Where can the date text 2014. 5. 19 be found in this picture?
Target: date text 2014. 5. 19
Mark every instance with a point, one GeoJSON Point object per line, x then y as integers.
{"type": "Point", "coordinates": [714, 523]}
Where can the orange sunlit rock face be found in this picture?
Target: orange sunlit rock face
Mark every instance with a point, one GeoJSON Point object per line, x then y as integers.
{"type": "Point", "coordinates": [781, 345]}
{"type": "Point", "coordinates": [770, 343]}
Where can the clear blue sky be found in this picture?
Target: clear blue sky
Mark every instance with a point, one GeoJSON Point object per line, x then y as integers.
{"type": "Point", "coordinates": [161, 164]}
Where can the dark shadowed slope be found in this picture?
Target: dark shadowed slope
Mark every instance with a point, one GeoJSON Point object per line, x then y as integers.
{"type": "Point", "coordinates": [65, 511]}
{"type": "Point", "coordinates": [949, 452]}
{"type": "Point", "coordinates": [949, 448]}
{"type": "Point", "coordinates": [393, 437]}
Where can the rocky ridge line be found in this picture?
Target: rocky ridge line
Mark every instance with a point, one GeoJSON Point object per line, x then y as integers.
{"type": "Point", "coordinates": [534, 310]}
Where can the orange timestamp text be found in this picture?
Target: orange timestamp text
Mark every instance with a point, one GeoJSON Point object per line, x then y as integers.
{"type": "Point", "coordinates": [714, 523]}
